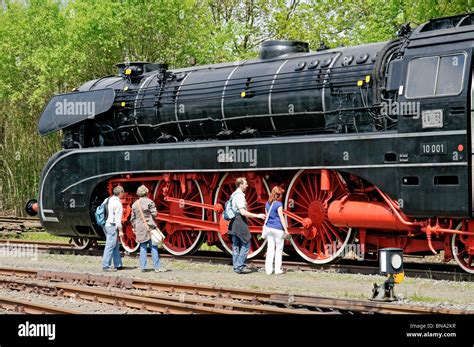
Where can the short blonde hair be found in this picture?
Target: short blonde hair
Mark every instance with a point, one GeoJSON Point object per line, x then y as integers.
{"type": "Point", "coordinates": [239, 181]}
{"type": "Point", "coordinates": [142, 191]}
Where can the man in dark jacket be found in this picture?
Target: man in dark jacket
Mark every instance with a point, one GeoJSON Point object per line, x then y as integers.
{"type": "Point", "coordinates": [238, 227]}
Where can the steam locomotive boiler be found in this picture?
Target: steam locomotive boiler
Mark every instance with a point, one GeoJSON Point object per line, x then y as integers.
{"type": "Point", "coordinates": [372, 143]}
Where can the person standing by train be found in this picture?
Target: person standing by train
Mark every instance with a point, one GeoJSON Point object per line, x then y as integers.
{"type": "Point", "coordinates": [238, 227]}
{"type": "Point", "coordinates": [113, 225]}
{"type": "Point", "coordinates": [143, 221]}
{"type": "Point", "coordinates": [275, 230]}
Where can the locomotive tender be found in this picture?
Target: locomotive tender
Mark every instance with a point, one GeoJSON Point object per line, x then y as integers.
{"type": "Point", "coordinates": [373, 144]}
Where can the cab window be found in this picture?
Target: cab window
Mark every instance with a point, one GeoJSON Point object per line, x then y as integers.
{"type": "Point", "coordinates": [435, 76]}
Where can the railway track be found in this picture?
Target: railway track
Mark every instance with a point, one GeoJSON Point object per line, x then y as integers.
{"type": "Point", "coordinates": [157, 303]}
{"type": "Point", "coordinates": [28, 307]}
{"type": "Point", "coordinates": [169, 297]}
{"type": "Point", "coordinates": [42, 245]}
{"type": "Point", "coordinates": [450, 272]}
{"type": "Point", "coordinates": [19, 224]}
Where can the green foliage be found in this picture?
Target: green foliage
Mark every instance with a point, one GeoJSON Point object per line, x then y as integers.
{"type": "Point", "coordinates": [51, 46]}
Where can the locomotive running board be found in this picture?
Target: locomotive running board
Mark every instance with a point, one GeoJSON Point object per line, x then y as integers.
{"type": "Point", "coordinates": [68, 109]}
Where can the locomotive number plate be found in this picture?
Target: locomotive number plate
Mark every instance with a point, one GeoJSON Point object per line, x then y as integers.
{"type": "Point", "coordinates": [432, 119]}
{"type": "Point", "coordinates": [434, 148]}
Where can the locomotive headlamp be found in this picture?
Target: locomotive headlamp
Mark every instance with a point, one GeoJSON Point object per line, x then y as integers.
{"type": "Point", "coordinates": [391, 264]}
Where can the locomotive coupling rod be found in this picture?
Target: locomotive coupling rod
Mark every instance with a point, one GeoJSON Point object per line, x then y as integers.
{"type": "Point", "coordinates": [307, 222]}
{"type": "Point", "coordinates": [216, 208]}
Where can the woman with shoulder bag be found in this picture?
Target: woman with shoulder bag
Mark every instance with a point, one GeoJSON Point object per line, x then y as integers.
{"type": "Point", "coordinates": [275, 231]}
{"type": "Point", "coordinates": [143, 223]}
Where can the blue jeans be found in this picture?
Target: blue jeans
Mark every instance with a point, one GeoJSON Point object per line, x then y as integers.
{"type": "Point", "coordinates": [239, 253]}
{"type": "Point", "coordinates": [112, 248]}
{"type": "Point", "coordinates": [154, 255]}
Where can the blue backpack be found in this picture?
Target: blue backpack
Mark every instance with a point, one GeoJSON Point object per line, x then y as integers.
{"type": "Point", "coordinates": [229, 212]}
{"type": "Point", "coordinates": [101, 213]}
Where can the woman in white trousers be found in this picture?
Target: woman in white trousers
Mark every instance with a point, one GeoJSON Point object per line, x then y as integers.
{"type": "Point", "coordinates": [275, 230]}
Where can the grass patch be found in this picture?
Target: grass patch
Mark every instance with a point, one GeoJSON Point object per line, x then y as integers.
{"type": "Point", "coordinates": [206, 247]}
{"type": "Point", "coordinates": [421, 298]}
{"type": "Point", "coordinates": [35, 236]}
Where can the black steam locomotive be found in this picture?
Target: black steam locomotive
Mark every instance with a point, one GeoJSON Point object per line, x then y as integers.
{"type": "Point", "coordinates": [372, 143]}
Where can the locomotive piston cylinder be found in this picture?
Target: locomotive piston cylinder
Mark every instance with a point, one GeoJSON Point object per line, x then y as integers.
{"type": "Point", "coordinates": [364, 214]}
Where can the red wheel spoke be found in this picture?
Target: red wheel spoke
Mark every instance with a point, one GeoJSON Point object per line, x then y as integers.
{"type": "Point", "coordinates": [310, 245]}
{"type": "Point", "coordinates": [315, 185]}
{"type": "Point", "coordinates": [251, 196]}
{"type": "Point", "coordinates": [305, 242]}
{"type": "Point", "coordinates": [332, 229]}
{"type": "Point", "coordinates": [192, 198]}
{"type": "Point", "coordinates": [312, 190]}
{"type": "Point", "coordinates": [195, 214]}
{"type": "Point", "coordinates": [325, 235]}
{"type": "Point", "coordinates": [322, 195]}
{"type": "Point", "coordinates": [309, 197]}
{"type": "Point", "coordinates": [312, 202]}
{"type": "Point", "coordinates": [317, 241]}
{"type": "Point", "coordinates": [299, 204]}
{"type": "Point", "coordinates": [304, 199]}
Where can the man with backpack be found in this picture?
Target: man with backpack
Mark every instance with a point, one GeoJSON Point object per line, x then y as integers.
{"type": "Point", "coordinates": [113, 224]}
{"type": "Point", "coordinates": [238, 227]}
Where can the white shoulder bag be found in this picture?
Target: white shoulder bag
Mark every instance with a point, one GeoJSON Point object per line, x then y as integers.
{"type": "Point", "coordinates": [264, 228]}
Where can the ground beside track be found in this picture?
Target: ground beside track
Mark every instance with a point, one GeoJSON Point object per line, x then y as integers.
{"type": "Point", "coordinates": [329, 284]}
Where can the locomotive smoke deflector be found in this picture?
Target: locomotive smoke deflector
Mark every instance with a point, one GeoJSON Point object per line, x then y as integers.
{"type": "Point", "coordinates": [65, 110]}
